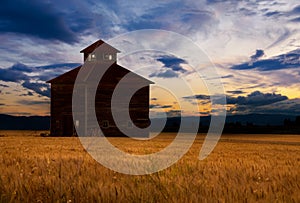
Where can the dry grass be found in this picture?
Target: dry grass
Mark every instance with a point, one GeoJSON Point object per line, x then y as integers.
{"type": "Point", "coordinates": [244, 168]}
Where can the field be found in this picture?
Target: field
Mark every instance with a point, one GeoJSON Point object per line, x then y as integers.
{"type": "Point", "coordinates": [242, 168]}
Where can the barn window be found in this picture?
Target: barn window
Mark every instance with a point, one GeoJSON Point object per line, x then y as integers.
{"type": "Point", "coordinates": [77, 123]}
{"type": "Point", "coordinates": [105, 124]}
{"type": "Point", "coordinates": [91, 57]}
{"type": "Point", "coordinates": [108, 57]}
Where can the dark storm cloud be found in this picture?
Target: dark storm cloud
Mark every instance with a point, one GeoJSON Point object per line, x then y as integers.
{"type": "Point", "coordinates": [256, 98]}
{"type": "Point", "coordinates": [235, 92]}
{"type": "Point", "coordinates": [291, 107]}
{"type": "Point", "coordinates": [296, 10]}
{"type": "Point", "coordinates": [284, 61]}
{"type": "Point", "coordinates": [21, 67]}
{"type": "Point", "coordinates": [172, 62]}
{"type": "Point", "coordinates": [18, 73]}
{"type": "Point", "coordinates": [249, 103]}
{"type": "Point", "coordinates": [259, 53]}
{"type": "Point", "coordinates": [40, 88]}
{"type": "Point", "coordinates": [10, 75]}
{"type": "Point", "coordinates": [171, 67]}
{"type": "Point", "coordinates": [34, 18]}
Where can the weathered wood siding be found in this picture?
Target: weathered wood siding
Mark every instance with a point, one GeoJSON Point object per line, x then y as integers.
{"type": "Point", "coordinates": [61, 102]}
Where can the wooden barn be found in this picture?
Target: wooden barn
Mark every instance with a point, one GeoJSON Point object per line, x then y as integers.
{"type": "Point", "coordinates": [62, 123]}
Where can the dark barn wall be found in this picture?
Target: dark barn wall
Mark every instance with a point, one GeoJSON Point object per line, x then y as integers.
{"type": "Point", "coordinates": [61, 110]}
{"type": "Point", "coordinates": [97, 55]}
{"type": "Point", "coordinates": [61, 103]}
{"type": "Point", "coordinates": [138, 107]}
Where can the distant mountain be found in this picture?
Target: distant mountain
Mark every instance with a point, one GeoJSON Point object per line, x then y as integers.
{"type": "Point", "coordinates": [260, 119]}
{"type": "Point", "coordinates": [8, 122]}
{"type": "Point", "coordinates": [254, 119]}
{"type": "Point", "coordinates": [252, 123]}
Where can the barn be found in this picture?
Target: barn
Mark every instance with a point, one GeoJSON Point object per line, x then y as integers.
{"type": "Point", "coordinates": [62, 123]}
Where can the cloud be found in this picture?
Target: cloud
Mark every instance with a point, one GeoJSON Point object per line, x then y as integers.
{"type": "Point", "coordinates": [272, 13]}
{"type": "Point", "coordinates": [164, 74]}
{"type": "Point", "coordinates": [287, 107]}
{"type": "Point", "coordinates": [296, 10]}
{"type": "Point", "coordinates": [172, 67]}
{"type": "Point", "coordinates": [256, 98]}
{"type": "Point", "coordinates": [1, 85]}
{"type": "Point", "coordinates": [295, 20]}
{"type": "Point", "coordinates": [10, 75]}
{"type": "Point", "coordinates": [157, 106]}
{"type": "Point", "coordinates": [27, 94]}
{"type": "Point", "coordinates": [242, 104]}
{"type": "Point", "coordinates": [284, 61]}
{"type": "Point", "coordinates": [34, 18]}
{"type": "Point", "coordinates": [21, 67]}
{"type": "Point", "coordinates": [259, 53]}
{"type": "Point", "coordinates": [284, 35]}
{"type": "Point", "coordinates": [201, 99]}
{"type": "Point", "coordinates": [174, 113]}
{"type": "Point", "coordinates": [19, 73]}
{"type": "Point", "coordinates": [227, 76]}
{"type": "Point", "coordinates": [40, 88]}
{"type": "Point", "coordinates": [198, 96]}
{"type": "Point", "coordinates": [28, 102]}
{"type": "Point", "coordinates": [235, 92]}
{"type": "Point", "coordinates": [184, 17]}
{"type": "Point", "coordinates": [173, 63]}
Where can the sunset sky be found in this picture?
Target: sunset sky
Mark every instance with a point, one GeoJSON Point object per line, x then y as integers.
{"type": "Point", "coordinates": [254, 45]}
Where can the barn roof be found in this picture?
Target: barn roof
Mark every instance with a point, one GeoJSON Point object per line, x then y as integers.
{"type": "Point", "coordinates": [70, 76]}
{"type": "Point", "coordinates": [67, 77]}
{"type": "Point", "coordinates": [96, 44]}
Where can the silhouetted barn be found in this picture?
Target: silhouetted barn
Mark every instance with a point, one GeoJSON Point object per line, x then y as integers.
{"type": "Point", "coordinates": [62, 89]}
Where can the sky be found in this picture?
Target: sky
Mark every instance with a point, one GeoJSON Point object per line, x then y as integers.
{"type": "Point", "coordinates": [254, 45]}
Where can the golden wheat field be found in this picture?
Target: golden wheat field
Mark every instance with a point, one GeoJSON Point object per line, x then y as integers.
{"type": "Point", "coordinates": [242, 168]}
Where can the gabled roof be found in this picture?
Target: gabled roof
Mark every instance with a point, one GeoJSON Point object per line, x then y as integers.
{"type": "Point", "coordinates": [70, 76]}
{"type": "Point", "coordinates": [96, 44]}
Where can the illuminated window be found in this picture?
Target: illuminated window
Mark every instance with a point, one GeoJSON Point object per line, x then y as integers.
{"type": "Point", "coordinates": [108, 57]}
{"type": "Point", "coordinates": [91, 57]}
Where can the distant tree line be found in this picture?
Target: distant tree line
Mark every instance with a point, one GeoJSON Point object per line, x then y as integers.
{"type": "Point", "coordinates": [289, 122]}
